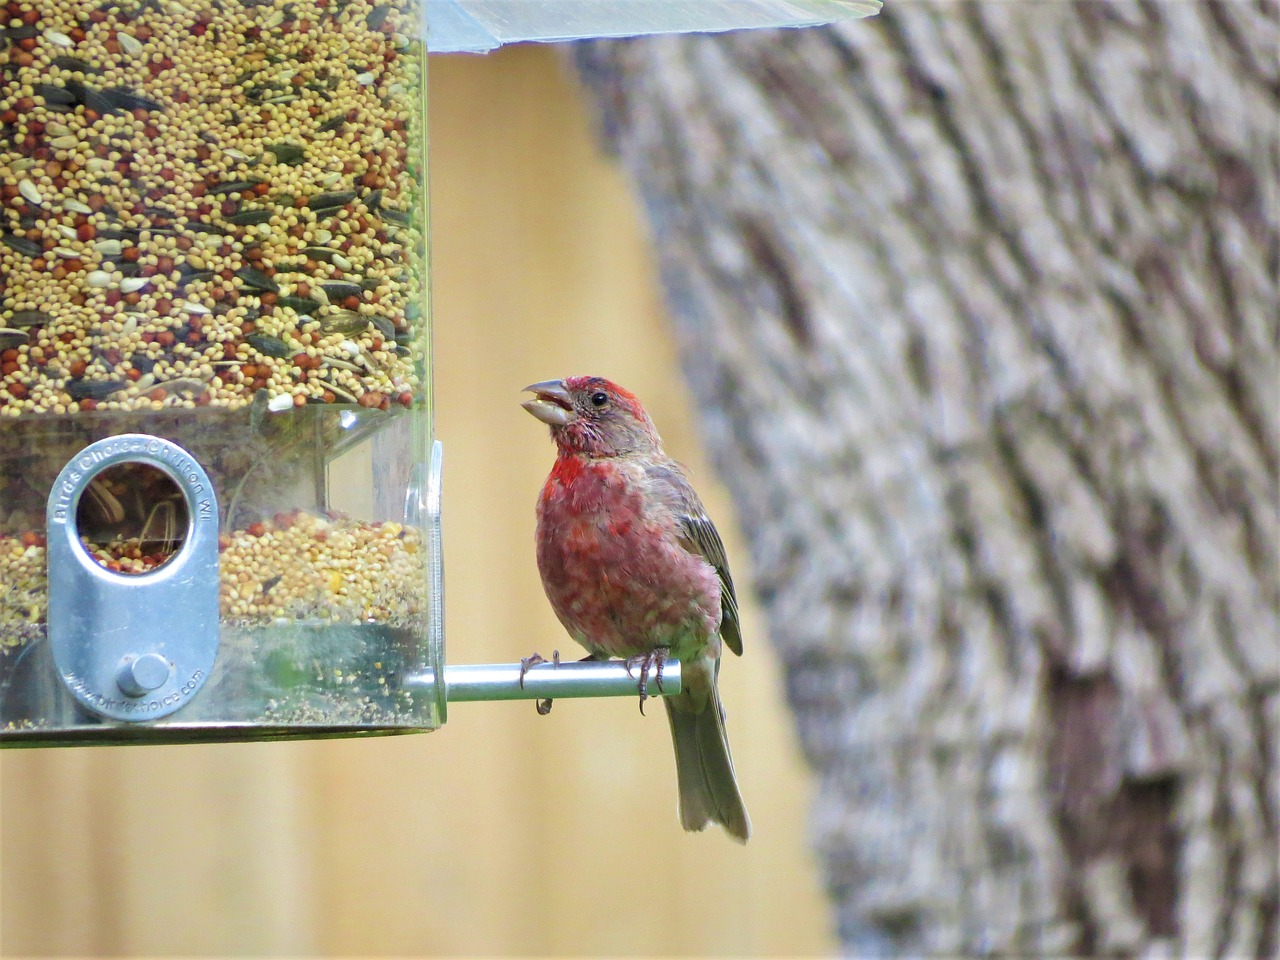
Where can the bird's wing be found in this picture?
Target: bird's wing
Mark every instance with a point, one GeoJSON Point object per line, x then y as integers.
{"type": "Point", "coordinates": [697, 534]}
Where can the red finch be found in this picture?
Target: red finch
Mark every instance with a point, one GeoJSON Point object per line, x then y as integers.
{"type": "Point", "coordinates": [634, 569]}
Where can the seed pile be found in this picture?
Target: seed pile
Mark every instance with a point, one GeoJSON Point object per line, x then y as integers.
{"type": "Point", "coordinates": [200, 201]}
{"type": "Point", "coordinates": [297, 566]}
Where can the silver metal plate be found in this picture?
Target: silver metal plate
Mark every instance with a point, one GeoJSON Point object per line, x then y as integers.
{"type": "Point", "coordinates": [133, 646]}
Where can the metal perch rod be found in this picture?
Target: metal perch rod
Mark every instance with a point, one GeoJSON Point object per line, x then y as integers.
{"type": "Point", "coordinates": [501, 681]}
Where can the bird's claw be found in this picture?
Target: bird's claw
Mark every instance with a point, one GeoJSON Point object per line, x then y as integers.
{"type": "Point", "coordinates": [653, 661]}
{"type": "Point", "coordinates": [531, 661]}
{"type": "Point", "coordinates": [528, 663]}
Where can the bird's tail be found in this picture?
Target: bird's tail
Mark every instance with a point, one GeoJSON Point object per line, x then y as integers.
{"type": "Point", "coordinates": [704, 769]}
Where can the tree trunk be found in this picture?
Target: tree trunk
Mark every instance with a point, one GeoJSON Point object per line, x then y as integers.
{"type": "Point", "coordinates": [977, 302]}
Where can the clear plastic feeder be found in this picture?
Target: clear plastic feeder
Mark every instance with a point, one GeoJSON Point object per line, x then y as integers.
{"type": "Point", "coordinates": [216, 490]}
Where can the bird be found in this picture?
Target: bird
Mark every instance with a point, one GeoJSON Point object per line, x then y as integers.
{"type": "Point", "coordinates": [634, 569]}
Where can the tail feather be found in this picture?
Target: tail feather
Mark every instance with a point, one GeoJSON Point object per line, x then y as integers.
{"type": "Point", "coordinates": [704, 768]}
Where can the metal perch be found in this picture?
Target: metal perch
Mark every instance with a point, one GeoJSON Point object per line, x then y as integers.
{"type": "Point", "coordinates": [501, 681]}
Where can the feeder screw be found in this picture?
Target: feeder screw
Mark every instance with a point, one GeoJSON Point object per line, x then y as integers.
{"type": "Point", "coordinates": [138, 676]}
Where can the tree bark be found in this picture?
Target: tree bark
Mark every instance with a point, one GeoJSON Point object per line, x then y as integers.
{"type": "Point", "coordinates": [978, 305]}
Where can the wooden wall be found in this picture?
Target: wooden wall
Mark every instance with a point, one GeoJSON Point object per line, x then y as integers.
{"type": "Point", "coordinates": [504, 833]}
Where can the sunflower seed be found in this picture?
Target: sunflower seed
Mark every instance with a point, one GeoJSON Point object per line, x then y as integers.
{"type": "Point", "coordinates": [28, 248]}
{"type": "Point", "coordinates": [57, 39]}
{"type": "Point", "coordinates": [93, 389]}
{"type": "Point", "coordinates": [194, 275]}
{"type": "Point", "coordinates": [68, 232]}
{"type": "Point", "coordinates": [287, 153]}
{"type": "Point", "coordinates": [384, 327]}
{"type": "Point", "coordinates": [108, 248]}
{"type": "Point", "coordinates": [66, 253]}
{"type": "Point", "coordinates": [199, 309]}
{"type": "Point", "coordinates": [250, 218]}
{"type": "Point", "coordinates": [300, 305]}
{"type": "Point", "coordinates": [75, 65]}
{"type": "Point", "coordinates": [280, 403]}
{"type": "Point", "coordinates": [331, 201]}
{"type": "Point", "coordinates": [234, 186]}
{"type": "Point", "coordinates": [321, 255]}
{"type": "Point", "coordinates": [268, 345]}
{"type": "Point", "coordinates": [339, 289]}
{"type": "Point", "coordinates": [75, 206]}
{"type": "Point", "coordinates": [123, 98]}
{"type": "Point", "coordinates": [364, 79]}
{"type": "Point", "coordinates": [98, 278]}
{"type": "Point", "coordinates": [257, 280]}
{"type": "Point", "coordinates": [28, 318]}
{"type": "Point", "coordinates": [130, 44]}
{"type": "Point", "coordinates": [133, 284]}
{"type": "Point", "coordinates": [11, 338]}
{"type": "Point", "coordinates": [56, 96]}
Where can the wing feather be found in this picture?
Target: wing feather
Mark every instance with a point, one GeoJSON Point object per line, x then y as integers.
{"type": "Point", "coordinates": [697, 534]}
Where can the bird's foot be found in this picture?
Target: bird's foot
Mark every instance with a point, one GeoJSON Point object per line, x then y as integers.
{"type": "Point", "coordinates": [531, 661]}
{"type": "Point", "coordinates": [648, 663]}
{"type": "Point", "coordinates": [528, 663]}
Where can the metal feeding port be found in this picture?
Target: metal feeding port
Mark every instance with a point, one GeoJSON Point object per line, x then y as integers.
{"type": "Point", "coordinates": [133, 646]}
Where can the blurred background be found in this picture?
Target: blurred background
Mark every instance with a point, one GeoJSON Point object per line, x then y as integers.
{"type": "Point", "coordinates": [504, 833]}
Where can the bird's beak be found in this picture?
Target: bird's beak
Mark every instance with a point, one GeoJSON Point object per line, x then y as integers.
{"type": "Point", "coordinates": [551, 403]}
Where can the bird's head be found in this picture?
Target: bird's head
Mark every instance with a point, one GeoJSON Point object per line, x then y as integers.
{"type": "Point", "coordinates": [592, 416]}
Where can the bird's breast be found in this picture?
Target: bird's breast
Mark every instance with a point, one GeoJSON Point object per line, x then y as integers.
{"type": "Point", "coordinates": [612, 567]}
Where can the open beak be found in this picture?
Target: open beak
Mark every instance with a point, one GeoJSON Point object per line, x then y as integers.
{"type": "Point", "coordinates": [551, 402]}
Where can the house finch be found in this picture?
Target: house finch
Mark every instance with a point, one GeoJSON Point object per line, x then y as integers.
{"type": "Point", "coordinates": [635, 569]}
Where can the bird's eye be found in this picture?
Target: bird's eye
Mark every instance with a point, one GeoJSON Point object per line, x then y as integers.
{"type": "Point", "coordinates": [599, 398]}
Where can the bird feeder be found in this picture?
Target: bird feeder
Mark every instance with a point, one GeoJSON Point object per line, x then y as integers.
{"type": "Point", "coordinates": [220, 491]}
